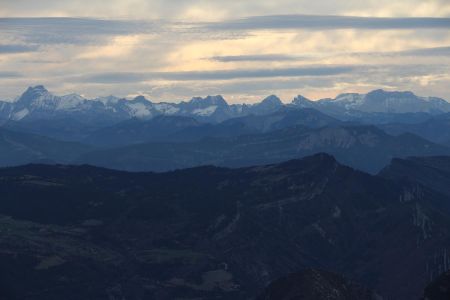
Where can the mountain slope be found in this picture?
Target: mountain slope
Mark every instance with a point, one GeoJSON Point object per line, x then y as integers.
{"type": "Point", "coordinates": [433, 172]}
{"type": "Point", "coordinates": [314, 284]}
{"type": "Point", "coordinates": [63, 129]}
{"type": "Point", "coordinates": [137, 131]}
{"type": "Point", "coordinates": [436, 129]}
{"type": "Point", "coordinates": [184, 129]}
{"type": "Point", "coordinates": [363, 147]}
{"type": "Point", "coordinates": [212, 232]}
{"type": "Point", "coordinates": [18, 148]}
{"type": "Point", "coordinates": [439, 289]}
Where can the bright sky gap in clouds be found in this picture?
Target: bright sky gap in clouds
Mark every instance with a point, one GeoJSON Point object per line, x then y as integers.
{"type": "Point", "coordinates": [244, 50]}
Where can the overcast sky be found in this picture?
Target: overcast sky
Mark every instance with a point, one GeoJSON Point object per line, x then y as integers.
{"type": "Point", "coordinates": [245, 50]}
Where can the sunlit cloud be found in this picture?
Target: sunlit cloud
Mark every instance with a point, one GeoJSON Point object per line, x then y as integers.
{"type": "Point", "coordinates": [174, 50]}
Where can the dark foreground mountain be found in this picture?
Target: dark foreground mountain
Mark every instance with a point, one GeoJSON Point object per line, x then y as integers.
{"type": "Point", "coordinates": [363, 147]}
{"type": "Point", "coordinates": [433, 172]}
{"type": "Point", "coordinates": [80, 232]}
{"type": "Point", "coordinates": [312, 284]}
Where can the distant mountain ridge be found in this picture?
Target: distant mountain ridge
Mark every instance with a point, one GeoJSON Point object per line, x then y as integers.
{"type": "Point", "coordinates": [366, 148]}
{"type": "Point", "coordinates": [38, 103]}
{"type": "Point", "coordinates": [377, 101]}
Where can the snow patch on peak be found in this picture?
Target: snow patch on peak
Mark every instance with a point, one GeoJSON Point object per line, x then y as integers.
{"type": "Point", "coordinates": [139, 110]}
{"type": "Point", "coordinates": [20, 114]}
{"type": "Point", "coordinates": [350, 100]}
{"type": "Point", "coordinates": [205, 112]}
{"type": "Point", "coordinates": [70, 102]}
{"type": "Point", "coordinates": [166, 108]}
{"type": "Point", "coordinates": [107, 100]}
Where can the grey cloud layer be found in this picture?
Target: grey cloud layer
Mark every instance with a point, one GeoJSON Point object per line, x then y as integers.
{"type": "Point", "coordinates": [18, 48]}
{"type": "Point", "coordinates": [424, 52]}
{"type": "Point", "coordinates": [329, 23]}
{"type": "Point", "coordinates": [7, 74]}
{"type": "Point", "coordinates": [118, 77]}
{"type": "Point", "coordinates": [84, 30]}
{"type": "Point", "coordinates": [71, 30]}
{"type": "Point", "coordinates": [257, 58]}
{"type": "Point", "coordinates": [226, 8]}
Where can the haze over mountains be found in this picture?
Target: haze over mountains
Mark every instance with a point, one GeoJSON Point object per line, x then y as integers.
{"type": "Point", "coordinates": [363, 131]}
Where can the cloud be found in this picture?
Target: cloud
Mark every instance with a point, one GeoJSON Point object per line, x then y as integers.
{"type": "Point", "coordinates": [71, 30]}
{"type": "Point", "coordinates": [124, 77]}
{"type": "Point", "coordinates": [420, 52]}
{"type": "Point", "coordinates": [436, 51]}
{"type": "Point", "coordinates": [433, 52]}
{"type": "Point", "coordinates": [328, 23]}
{"type": "Point", "coordinates": [258, 58]}
{"type": "Point", "coordinates": [218, 9]}
{"type": "Point", "coordinates": [6, 74]}
{"type": "Point", "coordinates": [6, 49]}
{"type": "Point", "coordinates": [193, 47]}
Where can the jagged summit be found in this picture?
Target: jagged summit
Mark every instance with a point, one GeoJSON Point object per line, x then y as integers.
{"type": "Point", "coordinates": [302, 101]}
{"type": "Point", "coordinates": [33, 93]}
{"type": "Point", "coordinates": [209, 100]}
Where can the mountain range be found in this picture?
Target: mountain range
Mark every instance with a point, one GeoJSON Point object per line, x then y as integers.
{"type": "Point", "coordinates": [38, 103]}
{"type": "Point", "coordinates": [363, 147]}
{"type": "Point", "coordinates": [362, 131]}
{"type": "Point", "coordinates": [82, 232]}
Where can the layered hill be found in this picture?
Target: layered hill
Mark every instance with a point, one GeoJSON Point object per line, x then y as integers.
{"type": "Point", "coordinates": [363, 147]}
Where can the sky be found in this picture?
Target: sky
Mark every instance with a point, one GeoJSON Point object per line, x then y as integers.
{"type": "Point", "coordinates": [243, 50]}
